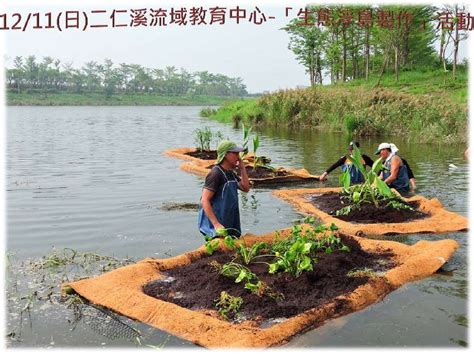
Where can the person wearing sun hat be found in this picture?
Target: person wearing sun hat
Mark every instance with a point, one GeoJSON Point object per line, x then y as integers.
{"type": "Point", "coordinates": [395, 172]}
{"type": "Point", "coordinates": [219, 209]}
{"type": "Point", "coordinates": [346, 164]}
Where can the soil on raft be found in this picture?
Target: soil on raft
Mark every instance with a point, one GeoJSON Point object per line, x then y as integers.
{"type": "Point", "coordinates": [203, 155]}
{"type": "Point", "coordinates": [264, 172]}
{"type": "Point", "coordinates": [368, 213]}
{"type": "Point", "coordinates": [196, 286]}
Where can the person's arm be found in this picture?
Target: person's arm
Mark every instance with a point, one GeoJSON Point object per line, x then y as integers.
{"type": "Point", "coordinates": [244, 184]}
{"type": "Point", "coordinates": [335, 165]}
{"type": "Point", "coordinates": [411, 176]}
{"type": "Point", "coordinates": [206, 198]}
{"type": "Point", "coordinates": [412, 184]}
{"type": "Point", "coordinates": [395, 166]}
{"type": "Point", "coordinates": [368, 161]}
{"type": "Point", "coordinates": [409, 171]}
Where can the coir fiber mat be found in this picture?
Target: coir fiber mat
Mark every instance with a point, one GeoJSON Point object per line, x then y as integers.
{"type": "Point", "coordinates": [121, 290]}
{"type": "Point", "coordinates": [438, 220]}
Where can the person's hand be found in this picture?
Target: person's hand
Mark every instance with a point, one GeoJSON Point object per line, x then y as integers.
{"type": "Point", "coordinates": [323, 177]}
{"type": "Point", "coordinates": [240, 163]}
{"type": "Point", "coordinates": [221, 231]}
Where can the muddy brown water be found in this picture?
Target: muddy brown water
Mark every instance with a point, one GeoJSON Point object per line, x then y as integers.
{"type": "Point", "coordinates": [94, 179]}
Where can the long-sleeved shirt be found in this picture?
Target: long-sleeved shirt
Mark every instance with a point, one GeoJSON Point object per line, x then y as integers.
{"type": "Point", "coordinates": [368, 161]}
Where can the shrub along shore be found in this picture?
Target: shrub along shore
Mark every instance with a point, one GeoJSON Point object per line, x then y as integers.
{"type": "Point", "coordinates": [432, 108]}
{"type": "Point", "coordinates": [99, 99]}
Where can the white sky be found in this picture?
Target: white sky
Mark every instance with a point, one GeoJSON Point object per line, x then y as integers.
{"type": "Point", "coordinates": [258, 54]}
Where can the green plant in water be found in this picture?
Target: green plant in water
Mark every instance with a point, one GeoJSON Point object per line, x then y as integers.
{"type": "Point", "coordinates": [207, 112]}
{"type": "Point", "coordinates": [228, 305]}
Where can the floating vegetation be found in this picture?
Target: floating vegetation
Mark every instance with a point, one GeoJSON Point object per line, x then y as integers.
{"type": "Point", "coordinates": [170, 206]}
{"type": "Point", "coordinates": [33, 287]}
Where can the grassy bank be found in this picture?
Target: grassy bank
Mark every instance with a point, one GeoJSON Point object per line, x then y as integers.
{"type": "Point", "coordinates": [96, 99]}
{"type": "Point", "coordinates": [428, 109]}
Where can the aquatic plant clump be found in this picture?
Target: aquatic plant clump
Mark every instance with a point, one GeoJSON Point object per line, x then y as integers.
{"type": "Point", "coordinates": [204, 137]}
{"type": "Point", "coordinates": [33, 291]}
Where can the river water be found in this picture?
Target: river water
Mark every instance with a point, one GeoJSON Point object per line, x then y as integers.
{"type": "Point", "coordinates": [94, 179]}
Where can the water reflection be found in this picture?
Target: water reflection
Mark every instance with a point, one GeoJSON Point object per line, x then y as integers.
{"type": "Point", "coordinates": [94, 178]}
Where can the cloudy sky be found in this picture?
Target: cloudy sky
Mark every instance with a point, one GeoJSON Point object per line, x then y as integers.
{"type": "Point", "coordinates": [258, 54]}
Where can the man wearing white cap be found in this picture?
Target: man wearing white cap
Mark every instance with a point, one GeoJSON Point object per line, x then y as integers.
{"type": "Point", "coordinates": [395, 172]}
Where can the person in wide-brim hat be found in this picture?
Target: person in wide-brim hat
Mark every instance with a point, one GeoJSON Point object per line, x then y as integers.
{"type": "Point", "coordinates": [219, 212]}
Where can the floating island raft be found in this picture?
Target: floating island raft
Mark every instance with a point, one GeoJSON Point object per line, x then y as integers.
{"type": "Point", "coordinates": [437, 220]}
{"type": "Point", "coordinates": [122, 291]}
{"type": "Point", "coordinates": [263, 175]}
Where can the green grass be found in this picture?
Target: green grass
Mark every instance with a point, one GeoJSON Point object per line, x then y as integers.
{"type": "Point", "coordinates": [96, 99]}
{"type": "Point", "coordinates": [422, 106]}
{"type": "Point", "coordinates": [433, 82]}
{"type": "Point", "coordinates": [227, 112]}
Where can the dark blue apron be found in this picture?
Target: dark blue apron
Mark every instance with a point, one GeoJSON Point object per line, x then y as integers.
{"type": "Point", "coordinates": [402, 182]}
{"type": "Point", "coordinates": [226, 207]}
{"type": "Point", "coordinates": [356, 175]}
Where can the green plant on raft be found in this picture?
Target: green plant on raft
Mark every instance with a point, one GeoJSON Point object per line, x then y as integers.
{"type": "Point", "coordinates": [237, 271]}
{"type": "Point", "coordinates": [244, 275]}
{"type": "Point", "coordinates": [295, 260]}
{"type": "Point", "coordinates": [374, 190]}
{"type": "Point", "coordinates": [217, 137]}
{"type": "Point", "coordinates": [261, 288]}
{"type": "Point", "coordinates": [228, 305]}
{"type": "Point", "coordinates": [203, 138]}
{"type": "Point", "coordinates": [247, 254]}
{"type": "Point", "coordinates": [211, 245]}
{"type": "Point", "coordinates": [297, 253]}
{"type": "Point", "coordinates": [245, 142]}
{"type": "Point", "coordinates": [330, 243]}
{"type": "Point", "coordinates": [256, 145]}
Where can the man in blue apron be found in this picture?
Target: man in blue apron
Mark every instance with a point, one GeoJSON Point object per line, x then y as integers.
{"type": "Point", "coordinates": [219, 200]}
{"type": "Point", "coordinates": [346, 164]}
{"type": "Point", "coordinates": [395, 172]}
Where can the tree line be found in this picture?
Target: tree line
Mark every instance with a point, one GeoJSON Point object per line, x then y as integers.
{"type": "Point", "coordinates": [49, 75]}
{"type": "Point", "coordinates": [347, 50]}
